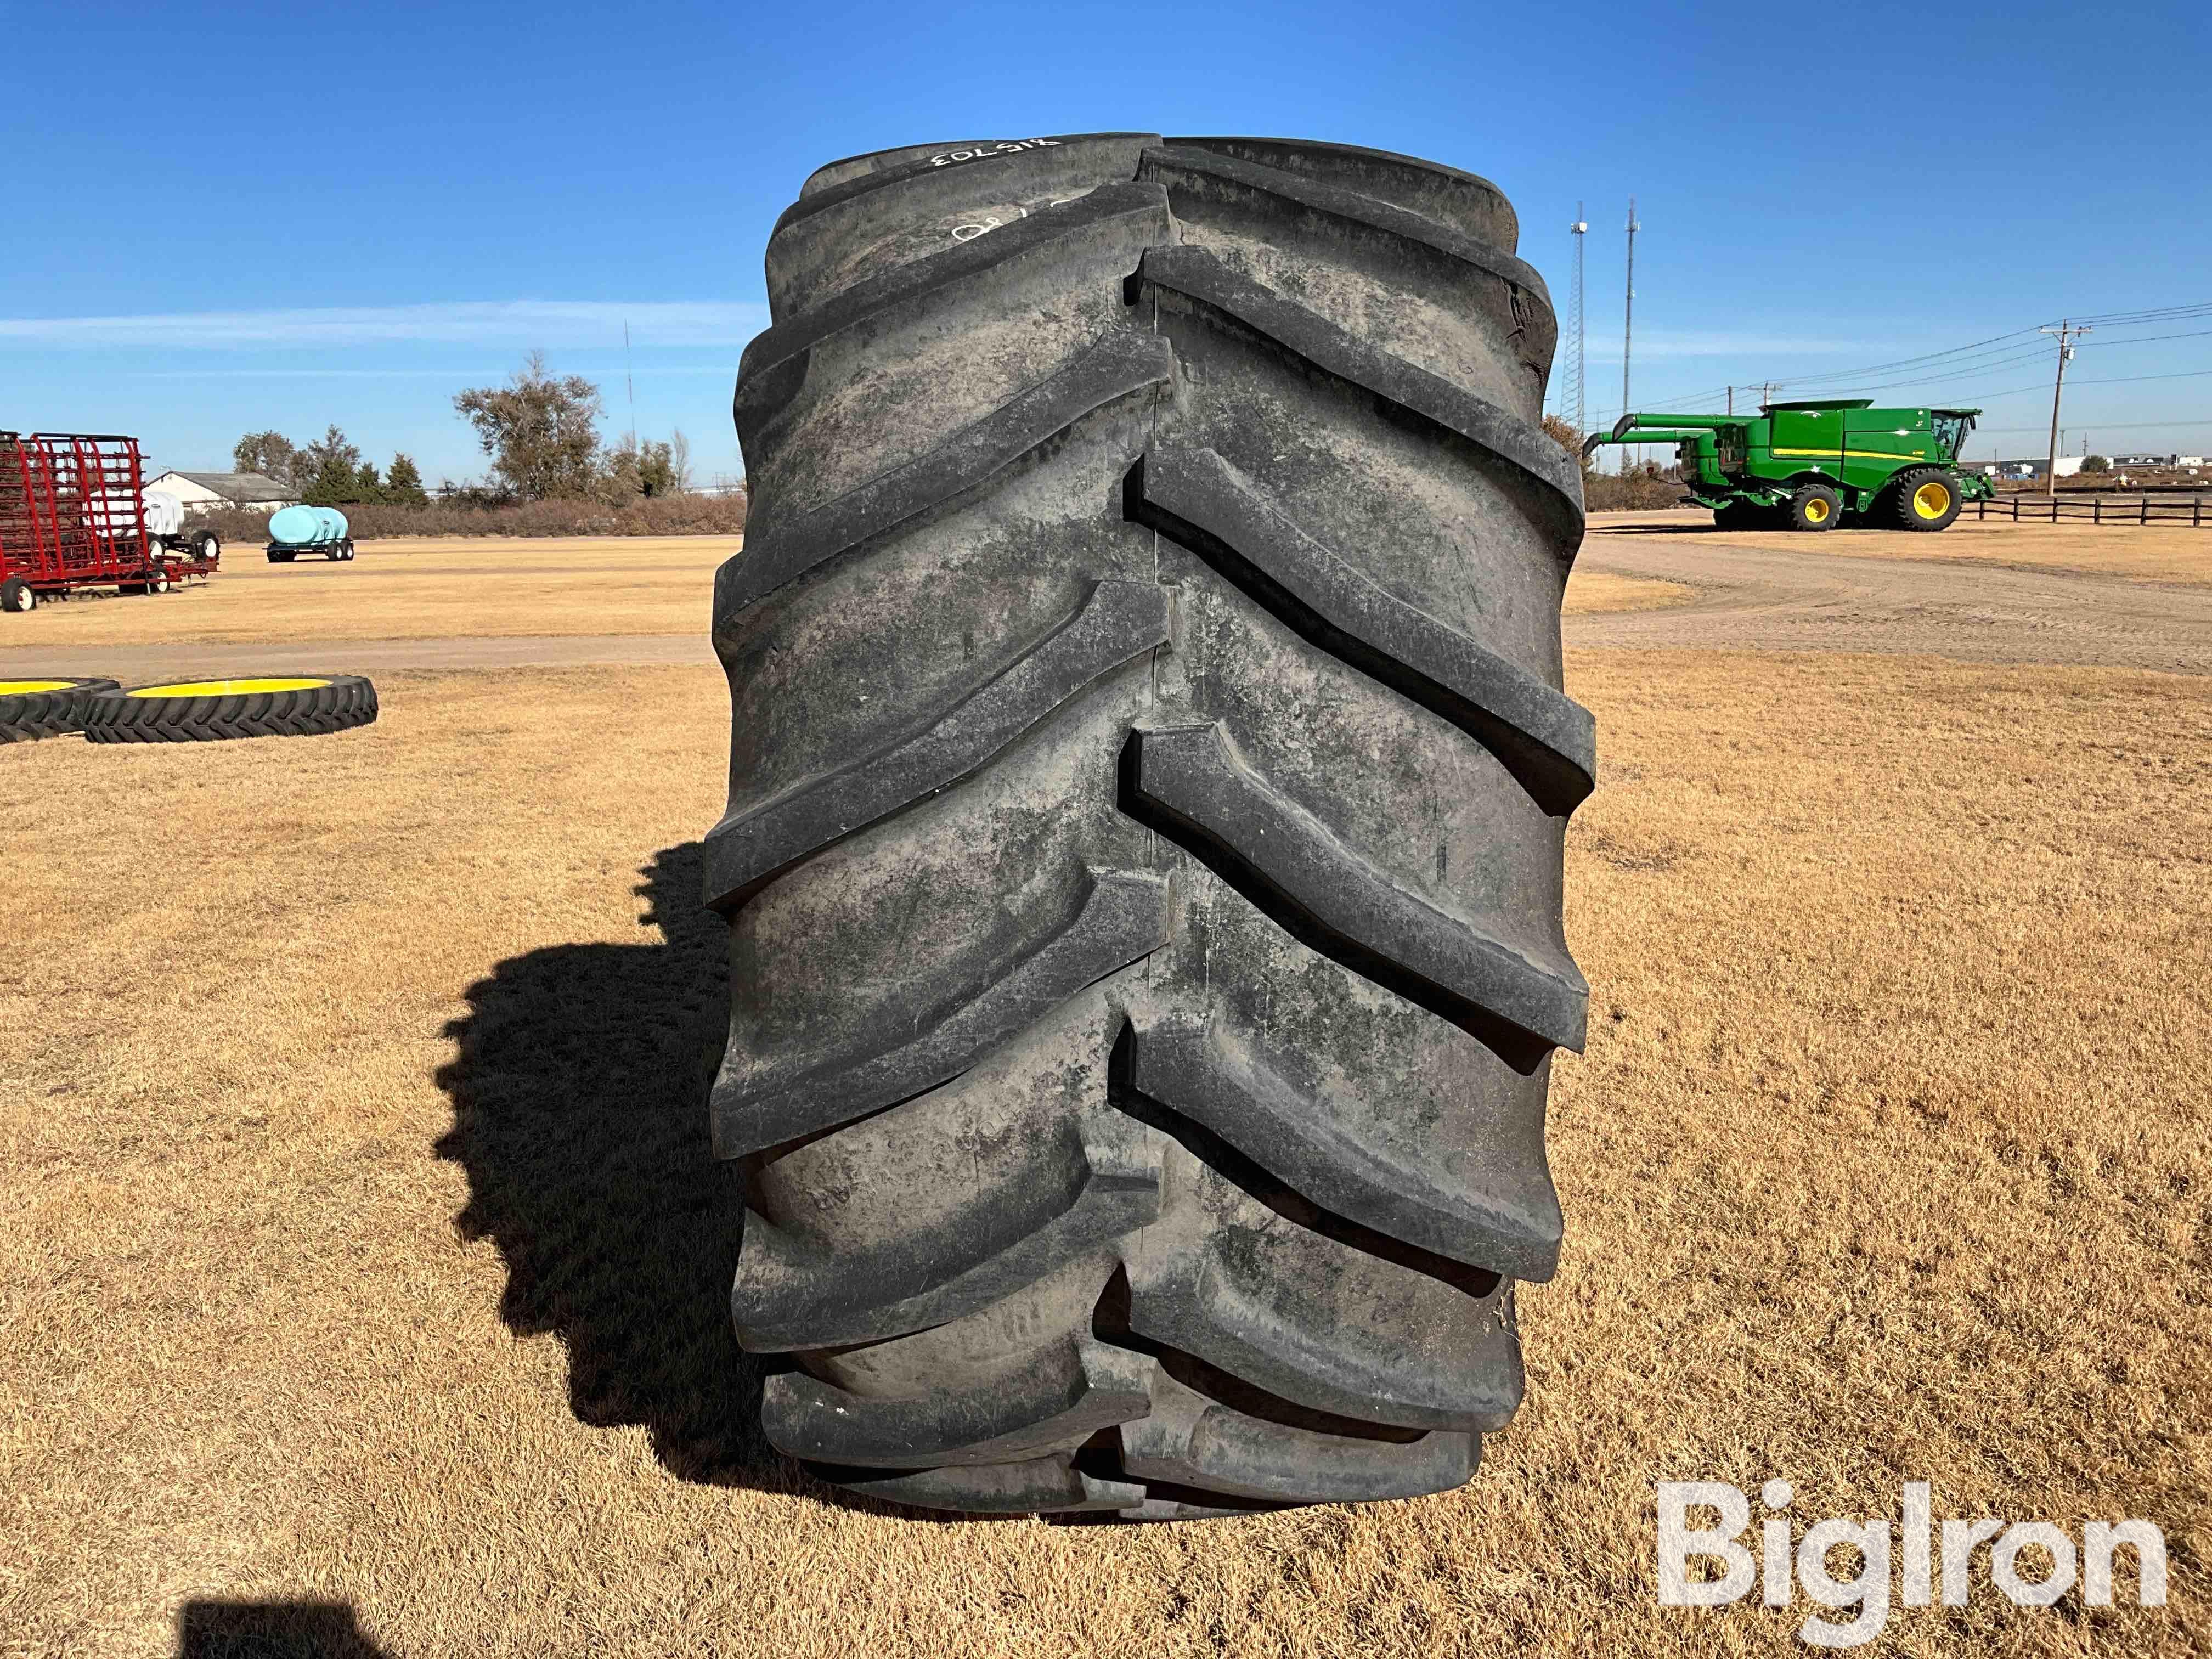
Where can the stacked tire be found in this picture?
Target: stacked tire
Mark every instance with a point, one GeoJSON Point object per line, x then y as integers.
{"type": "Point", "coordinates": [1143, 858]}
{"type": "Point", "coordinates": [204, 711]}
{"type": "Point", "coordinates": [35, 709]}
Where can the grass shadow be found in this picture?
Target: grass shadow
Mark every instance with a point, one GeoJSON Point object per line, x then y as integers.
{"type": "Point", "coordinates": [271, 1630]}
{"type": "Point", "coordinates": [579, 1116]}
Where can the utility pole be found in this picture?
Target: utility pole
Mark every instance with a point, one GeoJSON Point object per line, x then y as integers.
{"type": "Point", "coordinates": [1731, 408]}
{"type": "Point", "coordinates": [2066, 332]}
{"type": "Point", "coordinates": [1577, 387]}
{"type": "Point", "coordinates": [1628, 321]}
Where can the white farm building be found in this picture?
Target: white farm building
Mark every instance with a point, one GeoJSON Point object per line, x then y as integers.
{"type": "Point", "coordinates": [205, 492]}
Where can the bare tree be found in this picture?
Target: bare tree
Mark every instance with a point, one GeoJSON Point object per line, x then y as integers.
{"type": "Point", "coordinates": [542, 434]}
{"type": "Point", "coordinates": [679, 463]}
{"type": "Point", "coordinates": [271, 454]}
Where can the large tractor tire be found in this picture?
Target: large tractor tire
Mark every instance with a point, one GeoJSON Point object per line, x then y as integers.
{"type": "Point", "coordinates": [30, 709]}
{"type": "Point", "coordinates": [208, 711]}
{"type": "Point", "coordinates": [1926, 498]}
{"type": "Point", "coordinates": [1143, 860]}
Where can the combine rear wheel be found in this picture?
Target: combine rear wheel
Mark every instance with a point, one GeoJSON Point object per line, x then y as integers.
{"type": "Point", "coordinates": [1927, 499]}
{"type": "Point", "coordinates": [1143, 854]}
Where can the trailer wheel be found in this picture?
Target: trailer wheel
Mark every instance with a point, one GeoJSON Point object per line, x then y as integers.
{"type": "Point", "coordinates": [1815, 506]}
{"type": "Point", "coordinates": [211, 546]}
{"type": "Point", "coordinates": [46, 708]}
{"type": "Point", "coordinates": [1927, 498]}
{"type": "Point", "coordinates": [198, 711]}
{"type": "Point", "coordinates": [1148, 787]}
{"type": "Point", "coordinates": [18, 595]}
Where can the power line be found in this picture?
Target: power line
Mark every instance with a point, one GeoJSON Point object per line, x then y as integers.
{"type": "Point", "coordinates": [2158, 314]}
{"type": "Point", "coordinates": [1995, 352]}
{"type": "Point", "coordinates": [2146, 339]}
{"type": "Point", "coordinates": [2102, 426]}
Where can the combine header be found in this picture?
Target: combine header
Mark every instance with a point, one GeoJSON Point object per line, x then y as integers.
{"type": "Point", "coordinates": [1816, 464]}
{"type": "Point", "coordinates": [73, 515]}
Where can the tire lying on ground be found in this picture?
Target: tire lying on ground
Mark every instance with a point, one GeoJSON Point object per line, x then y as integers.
{"type": "Point", "coordinates": [1143, 858]}
{"type": "Point", "coordinates": [46, 708]}
{"type": "Point", "coordinates": [197, 711]}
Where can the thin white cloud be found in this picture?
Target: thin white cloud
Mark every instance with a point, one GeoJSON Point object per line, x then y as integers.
{"type": "Point", "coordinates": [550, 323]}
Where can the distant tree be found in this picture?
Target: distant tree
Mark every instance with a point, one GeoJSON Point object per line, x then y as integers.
{"type": "Point", "coordinates": [367, 487]}
{"type": "Point", "coordinates": [403, 483]}
{"type": "Point", "coordinates": [656, 469]}
{"type": "Point", "coordinates": [2095, 463]}
{"type": "Point", "coordinates": [640, 469]}
{"type": "Point", "coordinates": [679, 462]}
{"type": "Point", "coordinates": [327, 473]}
{"type": "Point", "coordinates": [542, 433]}
{"type": "Point", "coordinates": [271, 454]}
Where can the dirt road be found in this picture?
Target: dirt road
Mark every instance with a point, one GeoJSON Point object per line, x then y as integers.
{"type": "Point", "coordinates": [1783, 596]}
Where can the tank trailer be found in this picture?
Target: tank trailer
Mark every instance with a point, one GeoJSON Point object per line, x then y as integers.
{"type": "Point", "coordinates": [1816, 463]}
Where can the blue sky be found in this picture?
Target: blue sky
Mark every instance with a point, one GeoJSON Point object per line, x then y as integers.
{"type": "Point", "coordinates": [225, 218]}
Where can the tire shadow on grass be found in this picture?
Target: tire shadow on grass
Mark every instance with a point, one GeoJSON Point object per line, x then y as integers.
{"type": "Point", "coordinates": [579, 1116]}
{"type": "Point", "coordinates": [271, 1630]}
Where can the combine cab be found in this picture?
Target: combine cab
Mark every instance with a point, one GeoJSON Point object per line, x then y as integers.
{"type": "Point", "coordinates": [73, 515]}
{"type": "Point", "coordinates": [1816, 464]}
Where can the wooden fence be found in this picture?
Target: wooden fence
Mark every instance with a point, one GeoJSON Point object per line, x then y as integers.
{"type": "Point", "coordinates": [2042, 509]}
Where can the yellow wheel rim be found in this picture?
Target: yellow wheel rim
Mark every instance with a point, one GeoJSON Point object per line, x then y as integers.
{"type": "Point", "coordinates": [224, 688]}
{"type": "Point", "coordinates": [1816, 511]}
{"type": "Point", "coordinates": [29, 688]}
{"type": "Point", "coordinates": [1931, 500]}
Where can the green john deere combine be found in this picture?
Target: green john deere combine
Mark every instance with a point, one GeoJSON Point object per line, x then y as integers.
{"type": "Point", "coordinates": [1816, 464]}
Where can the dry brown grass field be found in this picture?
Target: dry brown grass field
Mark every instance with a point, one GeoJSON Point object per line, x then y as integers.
{"type": "Point", "coordinates": [364, 1250]}
{"type": "Point", "coordinates": [2149, 553]}
{"type": "Point", "coordinates": [426, 587]}
{"type": "Point", "coordinates": [413, 588]}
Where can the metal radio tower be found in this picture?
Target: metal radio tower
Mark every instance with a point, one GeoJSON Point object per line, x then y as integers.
{"type": "Point", "coordinates": [1578, 387]}
{"type": "Point", "coordinates": [1628, 319]}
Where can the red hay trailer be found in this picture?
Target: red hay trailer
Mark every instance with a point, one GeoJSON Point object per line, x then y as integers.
{"type": "Point", "coordinates": [71, 516]}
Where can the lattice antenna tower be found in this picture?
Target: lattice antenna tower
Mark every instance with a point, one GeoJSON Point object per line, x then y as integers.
{"type": "Point", "coordinates": [1578, 384]}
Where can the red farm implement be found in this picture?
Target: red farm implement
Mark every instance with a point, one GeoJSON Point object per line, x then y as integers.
{"type": "Point", "coordinates": [72, 516]}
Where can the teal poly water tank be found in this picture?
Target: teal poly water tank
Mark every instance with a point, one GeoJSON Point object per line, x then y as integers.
{"type": "Point", "coordinates": [306, 526]}
{"type": "Point", "coordinates": [295, 526]}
